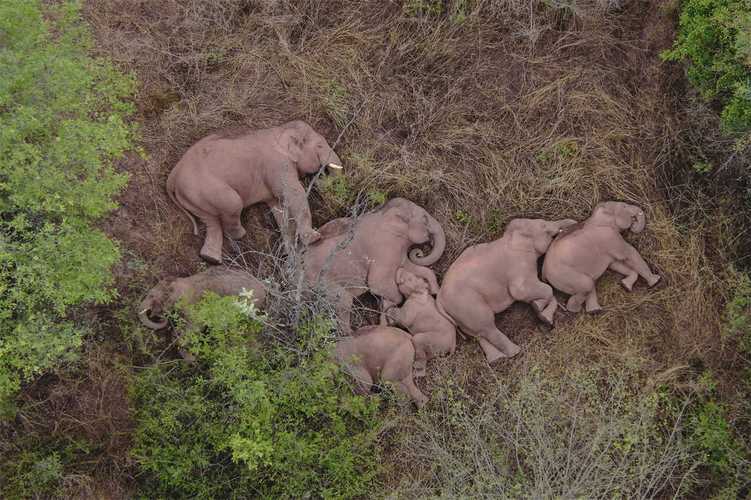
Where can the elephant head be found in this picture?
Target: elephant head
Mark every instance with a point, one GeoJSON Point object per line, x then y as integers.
{"type": "Point", "coordinates": [409, 283]}
{"type": "Point", "coordinates": [535, 234]}
{"type": "Point", "coordinates": [422, 228]}
{"type": "Point", "coordinates": [619, 215]}
{"type": "Point", "coordinates": [152, 308]}
{"type": "Point", "coordinates": [308, 149]}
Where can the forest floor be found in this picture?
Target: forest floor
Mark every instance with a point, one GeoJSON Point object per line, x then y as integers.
{"type": "Point", "coordinates": [478, 111]}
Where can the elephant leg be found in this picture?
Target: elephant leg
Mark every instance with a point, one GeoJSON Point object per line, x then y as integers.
{"type": "Point", "coordinates": [343, 305]}
{"type": "Point", "coordinates": [408, 387]}
{"type": "Point", "coordinates": [500, 341]}
{"type": "Point", "coordinates": [581, 284]}
{"type": "Point", "coordinates": [382, 282]}
{"type": "Point", "coordinates": [212, 245]}
{"type": "Point", "coordinates": [635, 261]}
{"type": "Point", "coordinates": [630, 275]}
{"type": "Point", "coordinates": [232, 226]}
{"type": "Point", "coordinates": [591, 304]}
{"type": "Point", "coordinates": [286, 225]}
{"type": "Point", "coordinates": [540, 295]}
{"type": "Point", "coordinates": [363, 380]}
{"type": "Point", "coordinates": [421, 355]}
{"type": "Point", "coordinates": [491, 353]}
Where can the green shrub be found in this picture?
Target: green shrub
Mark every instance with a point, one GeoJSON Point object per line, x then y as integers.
{"type": "Point", "coordinates": [714, 36]}
{"type": "Point", "coordinates": [249, 420]}
{"type": "Point", "coordinates": [62, 114]}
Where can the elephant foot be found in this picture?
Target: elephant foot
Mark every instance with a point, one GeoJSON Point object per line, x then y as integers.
{"type": "Point", "coordinates": [595, 310]}
{"type": "Point", "coordinates": [513, 350]}
{"type": "Point", "coordinates": [653, 280]}
{"type": "Point", "coordinates": [310, 237]}
{"type": "Point", "coordinates": [237, 233]}
{"type": "Point", "coordinates": [210, 257]}
{"type": "Point", "coordinates": [492, 358]}
{"type": "Point", "coordinates": [420, 372]}
{"type": "Point", "coordinates": [628, 283]}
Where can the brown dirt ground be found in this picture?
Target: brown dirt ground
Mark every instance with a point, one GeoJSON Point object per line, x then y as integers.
{"type": "Point", "coordinates": [519, 110]}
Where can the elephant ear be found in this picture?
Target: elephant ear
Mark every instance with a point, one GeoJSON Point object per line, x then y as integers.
{"type": "Point", "coordinates": [400, 276]}
{"type": "Point", "coordinates": [542, 241]}
{"type": "Point", "coordinates": [292, 144]}
{"type": "Point", "coordinates": [623, 216]}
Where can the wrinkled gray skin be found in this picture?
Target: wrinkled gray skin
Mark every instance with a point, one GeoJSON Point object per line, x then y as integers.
{"type": "Point", "coordinates": [380, 353]}
{"type": "Point", "coordinates": [221, 281]}
{"type": "Point", "coordinates": [222, 174]}
{"type": "Point", "coordinates": [487, 278]}
{"type": "Point", "coordinates": [579, 256]}
{"type": "Point", "coordinates": [353, 257]}
{"type": "Point", "coordinates": [433, 333]}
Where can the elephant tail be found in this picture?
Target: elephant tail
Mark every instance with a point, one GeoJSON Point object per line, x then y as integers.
{"type": "Point", "coordinates": [173, 197]}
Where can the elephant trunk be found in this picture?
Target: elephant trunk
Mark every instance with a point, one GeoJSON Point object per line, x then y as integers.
{"type": "Point", "coordinates": [438, 240]}
{"type": "Point", "coordinates": [143, 315]}
{"type": "Point", "coordinates": [639, 221]}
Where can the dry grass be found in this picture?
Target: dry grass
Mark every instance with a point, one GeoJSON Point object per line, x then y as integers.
{"type": "Point", "coordinates": [513, 108]}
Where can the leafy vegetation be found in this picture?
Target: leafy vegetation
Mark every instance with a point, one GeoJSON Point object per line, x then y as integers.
{"type": "Point", "coordinates": [714, 36]}
{"type": "Point", "coordinates": [63, 115]}
{"type": "Point", "coordinates": [250, 420]}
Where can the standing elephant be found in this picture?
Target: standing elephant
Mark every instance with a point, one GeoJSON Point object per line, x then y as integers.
{"type": "Point", "coordinates": [221, 174]}
{"type": "Point", "coordinates": [221, 281]}
{"type": "Point", "coordinates": [355, 256]}
{"type": "Point", "coordinates": [487, 278]}
{"type": "Point", "coordinates": [380, 353]}
{"type": "Point", "coordinates": [581, 255]}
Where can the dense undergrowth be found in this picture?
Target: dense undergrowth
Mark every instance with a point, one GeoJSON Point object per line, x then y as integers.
{"type": "Point", "coordinates": [478, 110]}
{"type": "Point", "coordinates": [62, 113]}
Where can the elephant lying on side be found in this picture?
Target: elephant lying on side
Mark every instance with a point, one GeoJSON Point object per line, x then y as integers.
{"type": "Point", "coordinates": [354, 256]}
{"type": "Point", "coordinates": [222, 174]}
{"type": "Point", "coordinates": [581, 255]}
{"type": "Point", "coordinates": [380, 353]}
{"type": "Point", "coordinates": [432, 332]}
{"type": "Point", "coordinates": [221, 281]}
{"type": "Point", "coordinates": [487, 278]}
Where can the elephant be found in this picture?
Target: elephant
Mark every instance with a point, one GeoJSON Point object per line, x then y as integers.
{"type": "Point", "coordinates": [433, 333]}
{"type": "Point", "coordinates": [583, 253]}
{"type": "Point", "coordinates": [354, 256]}
{"type": "Point", "coordinates": [487, 278]}
{"type": "Point", "coordinates": [221, 281]}
{"type": "Point", "coordinates": [380, 353]}
{"type": "Point", "coordinates": [222, 174]}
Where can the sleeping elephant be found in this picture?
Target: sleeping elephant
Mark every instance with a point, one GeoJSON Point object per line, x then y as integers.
{"type": "Point", "coordinates": [221, 174]}
{"type": "Point", "coordinates": [433, 333]}
{"type": "Point", "coordinates": [582, 254]}
{"type": "Point", "coordinates": [221, 281]}
{"type": "Point", "coordinates": [487, 278]}
{"type": "Point", "coordinates": [354, 256]}
{"type": "Point", "coordinates": [380, 353]}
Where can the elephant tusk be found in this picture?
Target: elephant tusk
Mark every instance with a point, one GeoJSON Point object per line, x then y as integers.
{"type": "Point", "coordinates": [144, 311]}
{"type": "Point", "coordinates": [334, 169]}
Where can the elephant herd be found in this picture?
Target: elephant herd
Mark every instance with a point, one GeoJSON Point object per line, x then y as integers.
{"type": "Point", "coordinates": [378, 252]}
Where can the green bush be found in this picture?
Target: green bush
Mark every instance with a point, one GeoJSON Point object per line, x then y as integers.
{"type": "Point", "coordinates": [714, 36]}
{"type": "Point", "coordinates": [249, 420]}
{"type": "Point", "coordinates": [63, 122]}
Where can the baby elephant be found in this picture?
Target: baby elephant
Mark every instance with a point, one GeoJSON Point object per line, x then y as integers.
{"type": "Point", "coordinates": [380, 353]}
{"type": "Point", "coordinates": [581, 255]}
{"type": "Point", "coordinates": [487, 278]}
{"type": "Point", "coordinates": [221, 281]}
{"type": "Point", "coordinates": [433, 334]}
{"type": "Point", "coordinates": [223, 173]}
